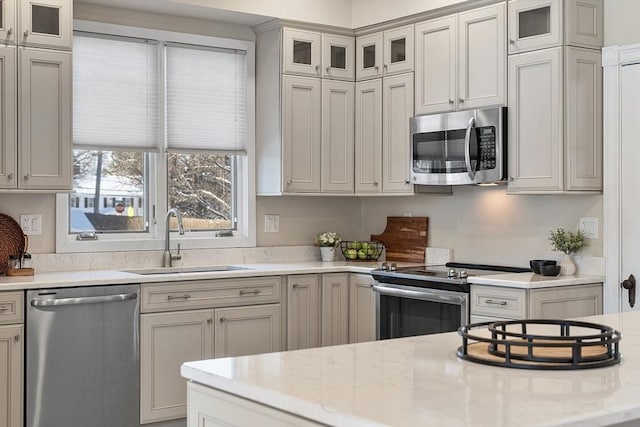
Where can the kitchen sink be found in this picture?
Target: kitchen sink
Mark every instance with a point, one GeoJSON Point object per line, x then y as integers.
{"type": "Point", "coordinates": [175, 270]}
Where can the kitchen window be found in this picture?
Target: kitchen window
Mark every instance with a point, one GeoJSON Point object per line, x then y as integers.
{"type": "Point", "coordinates": [160, 121]}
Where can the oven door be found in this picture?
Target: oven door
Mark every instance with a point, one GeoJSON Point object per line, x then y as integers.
{"type": "Point", "coordinates": [405, 311]}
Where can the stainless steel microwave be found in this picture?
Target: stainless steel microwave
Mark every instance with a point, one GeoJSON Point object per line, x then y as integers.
{"type": "Point", "coordinates": [462, 147]}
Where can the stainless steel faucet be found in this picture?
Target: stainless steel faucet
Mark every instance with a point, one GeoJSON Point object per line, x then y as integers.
{"type": "Point", "coordinates": [167, 256]}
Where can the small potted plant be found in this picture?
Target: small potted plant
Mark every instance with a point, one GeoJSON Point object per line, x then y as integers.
{"type": "Point", "coordinates": [327, 240]}
{"type": "Point", "coordinates": [567, 242]}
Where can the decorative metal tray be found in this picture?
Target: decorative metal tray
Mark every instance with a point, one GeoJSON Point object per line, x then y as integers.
{"type": "Point", "coordinates": [540, 344]}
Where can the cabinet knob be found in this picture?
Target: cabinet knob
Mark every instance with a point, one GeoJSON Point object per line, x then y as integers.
{"type": "Point", "coordinates": [451, 101]}
{"type": "Point", "coordinates": [26, 33]}
{"type": "Point", "coordinates": [460, 100]}
{"type": "Point", "coordinates": [407, 182]}
{"type": "Point", "coordinates": [328, 70]}
{"type": "Point", "coordinates": [223, 319]}
{"type": "Point", "coordinates": [209, 321]}
{"type": "Point", "coordinates": [16, 338]}
{"type": "Point", "coordinates": [384, 67]}
{"type": "Point", "coordinates": [375, 183]}
{"type": "Point", "coordinates": [511, 179]}
{"type": "Point", "coordinates": [512, 41]}
{"type": "Point", "coordinates": [9, 31]}
{"type": "Point", "coordinates": [10, 176]}
{"type": "Point", "coordinates": [26, 177]}
{"type": "Point", "coordinates": [295, 286]}
{"type": "Point", "coordinates": [317, 69]}
{"type": "Point", "coordinates": [376, 68]}
{"type": "Point", "coordinates": [289, 182]}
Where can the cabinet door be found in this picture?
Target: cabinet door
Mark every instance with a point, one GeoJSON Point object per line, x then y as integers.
{"type": "Point", "coordinates": [534, 24]}
{"type": "Point", "coordinates": [46, 23]}
{"type": "Point", "coordinates": [11, 375]}
{"type": "Point", "coordinates": [482, 55]}
{"type": "Point", "coordinates": [240, 331]}
{"type": "Point", "coordinates": [583, 116]}
{"type": "Point", "coordinates": [303, 313]}
{"type": "Point", "coordinates": [397, 50]}
{"type": "Point", "coordinates": [8, 143]}
{"type": "Point", "coordinates": [8, 21]}
{"type": "Point", "coordinates": [566, 302]}
{"type": "Point", "coordinates": [45, 120]}
{"type": "Point", "coordinates": [167, 340]}
{"type": "Point", "coordinates": [368, 144]}
{"type": "Point", "coordinates": [535, 122]}
{"type": "Point", "coordinates": [335, 309]}
{"type": "Point", "coordinates": [397, 109]}
{"type": "Point", "coordinates": [369, 56]}
{"type": "Point", "coordinates": [435, 66]}
{"type": "Point", "coordinates": [301, 99]}
{"type": "Point", "coordinates": [338, 57]}
{"type": "Point", "coordinates": [584, 23]}
{"type": "Point", "coordinates": [338, 99]}
{"type": "Point", "coordinates": [301, 52]}
{"type": "Point", "coordinates": [362, 308]}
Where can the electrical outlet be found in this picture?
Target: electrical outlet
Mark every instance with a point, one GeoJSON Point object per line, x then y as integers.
{"type": "Point", "coordinates": [31, 224]}
{"type": "Point", "coordinates": [271, 223]}
{"type": "Point", "coordinates": [589, 226]}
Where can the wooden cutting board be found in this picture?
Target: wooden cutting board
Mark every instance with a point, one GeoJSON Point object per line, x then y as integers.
{"type": "Point", "coordinates": [404, 238]}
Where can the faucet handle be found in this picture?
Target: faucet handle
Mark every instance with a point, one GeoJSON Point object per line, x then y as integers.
{"type": "Point", "coordinates": [177, 256]}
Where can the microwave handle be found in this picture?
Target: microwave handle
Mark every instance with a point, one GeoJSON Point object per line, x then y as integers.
{"type": "Point", "coordinates": [467, 149]}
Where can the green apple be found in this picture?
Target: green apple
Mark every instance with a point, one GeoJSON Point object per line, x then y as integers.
{"type": "Point", "coordinates": [365, 245]}
{"type": "Point", "coordinates": [372, 251]}
{"type": "Point", "coordinates": [356, 245]}
{"type": "Point", "coordinates": [351, 254]}
{"type": "Point", "coordinates": [362, 254]}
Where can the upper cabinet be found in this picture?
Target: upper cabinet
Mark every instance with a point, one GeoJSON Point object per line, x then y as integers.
{"type": "Point", "coordinates": [384, 53]}
{"type": "Point", "coordinates": [461, 61]}
{"type": "Point", "coordinates": [40, 23]}
{"type": "Point", "coordinates": [537, 24]}
{"type": "Point", "coordinates": [301, 52]}
{"type": "Point", "coordinates": [338, 57]}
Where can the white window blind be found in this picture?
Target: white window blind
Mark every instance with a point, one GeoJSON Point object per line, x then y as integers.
{"type": "Point", "coordinates": [115, 93]}
{"type": "Point", "coordinates": [205, 99]}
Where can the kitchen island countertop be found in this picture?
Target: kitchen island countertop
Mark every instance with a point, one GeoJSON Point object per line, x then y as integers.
{"type": "Point", "coordinates": [420, 381]}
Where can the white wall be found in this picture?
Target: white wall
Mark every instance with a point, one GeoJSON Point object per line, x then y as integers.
{"type": "Point", "coordinates": [368, 12]}
{"type": "Point", "coordinates": [621, 22]}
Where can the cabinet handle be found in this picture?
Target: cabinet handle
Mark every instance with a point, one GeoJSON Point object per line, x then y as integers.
{"type": "Point", "coordinates": [223, 319]}
{"type": "Point", "coordinates": [253, 292]}
{"type": "Point", "coordinates": [26, 177]}
{"type": "Point", "coordinates": [328, 70]}
{"type": "Point", "coordinates": [10, 176]}
{"type": "Point", "coordinates": [209, 321]}
{"type": "Point", "coordinates": [384, 67]}
{"type": "Point", "coordinates": [26, 33]}
{"type": "Point", "coordinates": [9, 31]}
{"type": "Point", "coordinates": [460, 100]}
{"type": "Point", "coordinates": [175, 297]}
{"type": "Point", "coordinates": [376, 68]}
{"type": "Point", "coordinates": [407, 182]}
{"type": "Point", "coordinates": [490, 301]}
{"type": "Point", "coordinates": [3, 308]}
{"type": "Point", "coordinates": [375, 183]}
{"type": "Point", "coordinates": [317, 69]}
{"type": "Point", "coordinates": [289, 182]}
{"type": "Point", "coordinates": [511, 179]}
{"type": "Point", "coordinates": [512, 41]}
{"type": "Point", "coordinates": [295, 286]}
{"type": "Point", "coordinates": [16, 338]}
{"type": "Point", "coordinates": [451, 101]}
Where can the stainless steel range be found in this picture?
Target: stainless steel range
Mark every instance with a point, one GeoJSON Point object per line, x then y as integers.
{"type": "Point", "coordinates": [421, 300]}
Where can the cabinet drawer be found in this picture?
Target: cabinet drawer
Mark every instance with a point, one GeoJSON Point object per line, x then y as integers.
{"type": "Point", "coordinates": [505, 303]}
{"type": "Point", "coordinates": [209, 293]}
{"type": "Point", "coordinates": [11, 307]}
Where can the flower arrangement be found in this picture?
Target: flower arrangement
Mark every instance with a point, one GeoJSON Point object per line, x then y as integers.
{"type": "Point", "coordinates": [567, 241]}
{"type": "Point", "coordinates": [327, 239]}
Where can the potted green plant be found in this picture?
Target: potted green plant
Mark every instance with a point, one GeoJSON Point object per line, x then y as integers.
{"type": "Point", "coordinates": [327, 240]}
{"type": "Point", "coordinates": [567, 242]}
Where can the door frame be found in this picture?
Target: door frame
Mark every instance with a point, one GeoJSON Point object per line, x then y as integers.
{"type": "Point", "coordinates": [613, 59]}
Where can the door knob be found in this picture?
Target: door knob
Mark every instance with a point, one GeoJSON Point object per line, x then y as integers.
{"type": "Point", "coordinates": [630, 285]}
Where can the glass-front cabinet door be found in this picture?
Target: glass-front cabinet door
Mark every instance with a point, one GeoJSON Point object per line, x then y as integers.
{"type": "Point", "coordinates": [8, 21]}
{"type": "Point", "coordinates": [301, 52]}
{"type": "Point", "coordinates": [338, 57]}
{"type": "Point", "coordinates": [46, 23]}
{"type": "Point", "coordinates": [369, 56]}
{"type": "Point", "coordinates": [398, 50]}
{"type": "Point", "coordinates": [534, 24]}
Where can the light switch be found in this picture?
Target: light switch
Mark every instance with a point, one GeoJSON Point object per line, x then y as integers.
{"type": "Point", "coordinates": [589, 226]}
{"type": "Point", "coordinates": [271, 223]}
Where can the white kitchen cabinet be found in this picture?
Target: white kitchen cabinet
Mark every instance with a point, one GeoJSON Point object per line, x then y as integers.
{"type": "Point", "coordinates": [241, 331]}
{"type": "Point", "coordinates": [384, 53]}
{"type": "Point", "coordinates": [303, 311]}
{"type": "Point", "coordinates": [11, 359]}
{"type": "Point", "coordinates": [167, 341]}
{"type": "Point", "coordinates": [397, 109]}
{"type": "Point", "coordinates": [301, 106]}
{"type": "Point", "coordinates": [555, 135]}
{"type": "Point", "coordinates": [45, 23]}
{"type": "Point", "coordinates": [301, 52]}
{"type": "Point", "coordinates": [362, 308]}
{"type": "Point", "coordinates": [539, 24]}
{"type": "Point", "coordinates": [338, 57]}
{"type": "Point", "coordinates": [337, 171]}
{"type": "Point", "coordinates": [461, 61]}
{"type": "Point", "coordinates": [44, 137]}
{"type": "Point", "coordinates": [368, 137]}
{"type": "Point", "coordinates": [562, 302]}
{"type": "Point", "coordinates": [335, 309]}
{"type": "Point", "coordinates": [8, 21]}
{"type": "Point", "coordinates": [8, 120]}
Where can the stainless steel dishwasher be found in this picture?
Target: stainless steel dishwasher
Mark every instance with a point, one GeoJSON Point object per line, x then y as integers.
{"type": "Point", "coordinates": [82, 357]}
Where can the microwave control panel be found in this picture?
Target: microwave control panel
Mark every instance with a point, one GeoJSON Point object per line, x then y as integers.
{"type": "Point", "coordinates": [487, 148]}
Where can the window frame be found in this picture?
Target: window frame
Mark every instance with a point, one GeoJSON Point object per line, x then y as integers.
{"type": "Point", "coordinates": [244, 236]}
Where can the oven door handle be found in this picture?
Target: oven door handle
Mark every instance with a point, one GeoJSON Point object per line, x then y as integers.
{"type": "Point", "coordinates": [467, 149]}
{"type": "Point", "coordinates": [426, 294]}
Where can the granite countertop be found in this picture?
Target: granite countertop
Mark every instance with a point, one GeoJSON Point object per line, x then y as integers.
{"type": "Point", "coordinates": [114, 277]}
{"type": "Point", "coordinates": [420, 381]}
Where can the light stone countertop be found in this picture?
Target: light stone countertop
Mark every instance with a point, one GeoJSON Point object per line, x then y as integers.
{"type": "Point", "coordinates": [419, 381]}
{"type": "Point", "coordinates": [114, 277]}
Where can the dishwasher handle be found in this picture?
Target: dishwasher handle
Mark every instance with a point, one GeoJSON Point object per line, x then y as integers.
{"type": "Point", "coordinates": [56, 302]}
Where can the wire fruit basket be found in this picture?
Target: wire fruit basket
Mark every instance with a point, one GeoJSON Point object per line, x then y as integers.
{"type": "Point", "coordinates": [354, 250]}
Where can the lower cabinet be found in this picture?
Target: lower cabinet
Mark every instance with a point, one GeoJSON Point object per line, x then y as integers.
{"type": "Point", "coordinates": [563, 302]}
{"type": "Point", "coordinates": [335, 309]}
{"type": "Point", "coordinates": [303, 311]}
{"type": "Point", "coordinates": [200, 320]}
{"type": "Point", "coordinates": [11, 372]}
{"type": "Point", "coordinates": [362, 308]}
